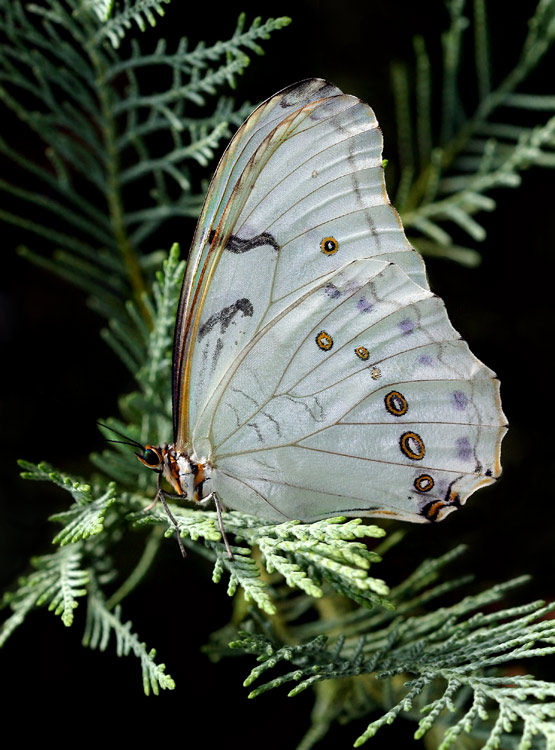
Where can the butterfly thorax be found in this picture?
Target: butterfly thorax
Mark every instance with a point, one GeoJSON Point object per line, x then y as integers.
{"type": "Point", "coordinates": [186, 475]}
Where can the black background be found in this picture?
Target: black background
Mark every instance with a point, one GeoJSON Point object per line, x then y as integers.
{"type": "Point", "coordinates": [59, 377]}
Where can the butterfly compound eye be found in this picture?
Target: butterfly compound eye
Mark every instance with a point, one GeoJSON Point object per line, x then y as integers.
{"type": "Point", "coordinates": [151, 457]}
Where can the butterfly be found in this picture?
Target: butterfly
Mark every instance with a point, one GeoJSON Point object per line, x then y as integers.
{"type": "Point", "coordinates": [314, 372]}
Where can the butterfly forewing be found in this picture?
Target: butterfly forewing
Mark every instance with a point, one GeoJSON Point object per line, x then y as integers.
{"type": "Point", "coordinates": [201, 256]}
{"type": "Point", "coordinates": [310, 199]}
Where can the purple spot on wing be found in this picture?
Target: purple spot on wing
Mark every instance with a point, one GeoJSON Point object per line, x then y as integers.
{"type": "Point", "coordinates": [464, 449]}
{"type": "Point", "coordinates": [460, 400]}
{"type": "Point", "coordinates": [425, 359]}
{"type": "Point", "coordinates": [406, 325]}
{"type": "Point", "coordinates": [332, 291]}
{"type": "Point", "coordinates": [364, 306]}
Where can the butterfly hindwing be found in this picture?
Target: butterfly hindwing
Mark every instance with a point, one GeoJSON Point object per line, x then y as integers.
{"type": "Point", "coordinates": [361, 394]}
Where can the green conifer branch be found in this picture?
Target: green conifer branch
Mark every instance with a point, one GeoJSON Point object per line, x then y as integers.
{"type": "Point", "coordinates": [103, 622]}
{"type": "Point", "coordinates": [447, 183]}
{"type": "Point", "coordinates": [304, 554]}
{"type": "Point", "coordinates": [83, 522]}
{"type": "Point", "coordinates": [58, 581]}
{"type": "Point", "coordinates": [445, 659]}
{"type": "Point", "coordinates": [80, 491]}
{"type": "Point", "coordinates": [84, 99]}
{"type": "Point", "coordinates": [117, 24]}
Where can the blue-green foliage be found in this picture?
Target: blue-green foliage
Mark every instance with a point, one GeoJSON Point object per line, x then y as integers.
{"type": "Point", "coordinates": [443, 668]}
{"type": "Point", "coordinates": [455, 151]}
{"type": "Point", "coordinates": [86, 100]}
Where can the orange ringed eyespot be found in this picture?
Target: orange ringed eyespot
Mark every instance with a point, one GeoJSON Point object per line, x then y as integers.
{"type": "Point", "coordinates": [424, 483]}
{"type": "Point", "coordinates": [431, 511]}
{"type": "Point", "coordinates": [324, 341]}
{"type": "Point", "coordinates": [412, 446]}
{"type": "Point", "coordinates": [396, 403]}
{"type": "Point", "coordinates": [329, 245]}
{"type": "Point", "coordinates": [362, 352]}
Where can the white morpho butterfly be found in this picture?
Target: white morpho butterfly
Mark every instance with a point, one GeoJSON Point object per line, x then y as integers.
{"type": "Point", "coordinates": [314, 373]}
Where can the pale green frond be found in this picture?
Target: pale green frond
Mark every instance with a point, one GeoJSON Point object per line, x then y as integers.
{"type": "Point", "coordinates": [58, 581]}
{"type": "Point", "coordinates": [196, 525]}
{"type": "Point", "coordinates": [245, 573]}
{"type": "Point", "coordinates": [442, 185]}
{"type": "Point", "coordinates": [43, 472]}
{"type": "Point", "coordinates": [119, 20]}
{"type": "Point", "coordinates": [102, 8]}
{"type": "Point", "coordinates": [81, 522]}
{"type": "Point", "coordinates": [451, 662]}
{"type": "Point", "coordinates": [102, 623]}
{"type": "Point", "coordinates": [305, 555]}
{"type": "Point", "coordinates": [165, 294]}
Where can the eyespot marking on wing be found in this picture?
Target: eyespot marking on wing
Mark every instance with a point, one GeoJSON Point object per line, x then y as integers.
{"type": "Point", "coordinates": [362, 352]}
{"type": "Point", "coordinates": [324, 341]}
{"type": "Point", "coordinates": [329, 245]}
{"type": "Point", "coordinates": [431, 511]}
{"type": "Point", "coordinates": [424, 483]}
{"type": "Point", "coordinates": [412, 446]}
{"type": "Point", "coordinates": [396, 403]}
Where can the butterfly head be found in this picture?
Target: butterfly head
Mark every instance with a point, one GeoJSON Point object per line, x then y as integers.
{"type": "Point", "coordinates": [174, 466]}
{"type": "Point", "coordinates": [165, 461]}
{"type": "Point", "coordinates": [152, 456]}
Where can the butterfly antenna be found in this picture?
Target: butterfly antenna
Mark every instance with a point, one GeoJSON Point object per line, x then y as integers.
{"type": "Point", "coordinates": [127, 441]}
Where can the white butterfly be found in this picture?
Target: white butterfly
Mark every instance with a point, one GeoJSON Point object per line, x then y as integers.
{"type": "Point", "coordinates": [314, 373]}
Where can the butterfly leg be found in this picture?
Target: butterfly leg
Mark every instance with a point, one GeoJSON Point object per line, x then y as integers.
{"type": "Point", "coordinates": [161, 495]}
{"type": "Point", "coordinates": [213, 498]}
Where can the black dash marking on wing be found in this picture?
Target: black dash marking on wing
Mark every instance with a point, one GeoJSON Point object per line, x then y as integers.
{"type": "Point", "coordinates": [234, 410]}
{"type": "Point", "coordinates": [238, 245]}
{"type": "Point", "coordinates": [276, 423]}
{"type": "Point", "coordinates": [246, 395]}
{"type": "Point", "coordinates": [257, 430]}
{"type": "Point", "coordinates": [217, 351]}
{"type": "Point", "coordinates": [306, 407]}
{"type": "Point", "coordinates": [225, 317]}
